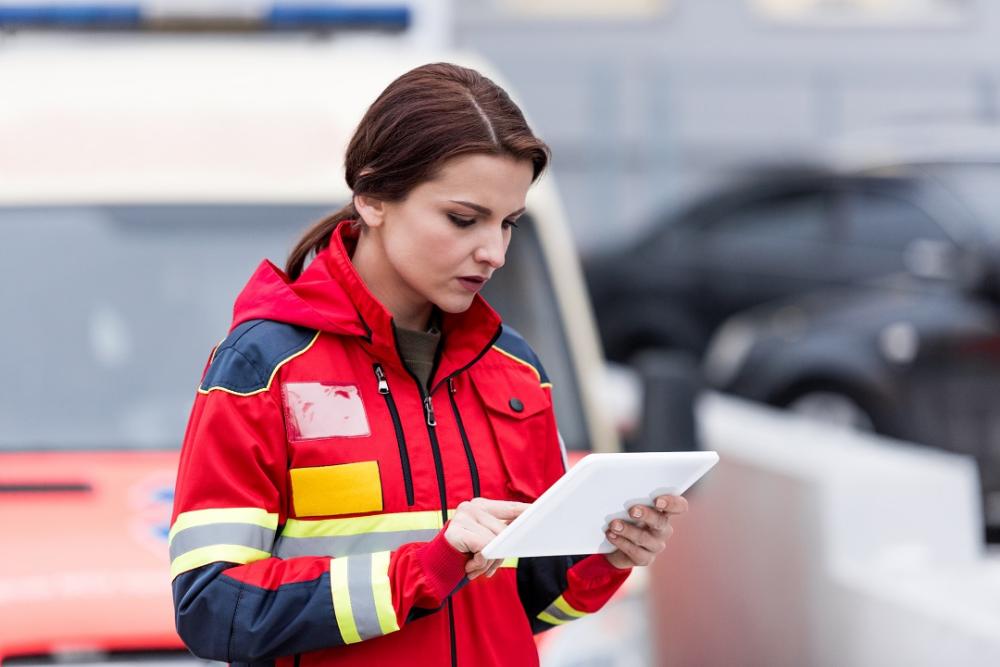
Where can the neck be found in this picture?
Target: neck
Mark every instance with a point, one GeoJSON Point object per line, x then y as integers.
{"type": "Point", "coordinates": [409, 310]}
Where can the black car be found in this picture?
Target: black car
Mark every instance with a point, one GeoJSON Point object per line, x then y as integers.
{"type": "Point", "coordinates": [782, 233]}
{"type": "Point", "coordinates": [909, 360]}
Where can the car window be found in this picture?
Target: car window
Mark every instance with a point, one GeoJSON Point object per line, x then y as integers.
{"type": "Point", "coordinates": [110, 314]}
{"type": "Point", "coordinates": [799, 216]}
{"type": "Point", "coordinates": [887, 221]}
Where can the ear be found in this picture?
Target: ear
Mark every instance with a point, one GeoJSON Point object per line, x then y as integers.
{"type": "Point", "coordinates": [371, 210]}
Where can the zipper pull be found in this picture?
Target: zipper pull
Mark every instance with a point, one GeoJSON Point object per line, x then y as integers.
{"type": "Point", "coordinates": [383, 386]}
{"type": "Point", "coordinates": [429, 411]}
{"type": "Point", "coordinates": [451, 385]}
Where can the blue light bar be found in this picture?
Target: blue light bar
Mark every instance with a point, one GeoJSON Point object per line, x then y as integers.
{"type": "Point", "coordinates": [70, 15]}
{"type": "Point", "coordinates": [291, 15]}
{"type": "Point", "coordinates": [280, 16]}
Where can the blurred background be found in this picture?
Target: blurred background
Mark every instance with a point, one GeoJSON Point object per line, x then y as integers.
{"type": "Point", "coordinates": [770, 229]}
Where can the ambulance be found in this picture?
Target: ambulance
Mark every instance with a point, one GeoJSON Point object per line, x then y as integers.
{"type": "Point", "coordinates": [145, 169]}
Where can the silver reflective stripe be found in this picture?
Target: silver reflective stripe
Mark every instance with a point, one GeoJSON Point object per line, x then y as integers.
{"type": "Point", "coordinates": [359, 585]}
{"type": "Point", "coordinates": [242, 534]}
{"type": "Point", "coordinates": [556, 612]}
{"type": "Point", "coordinates": [348, 545]}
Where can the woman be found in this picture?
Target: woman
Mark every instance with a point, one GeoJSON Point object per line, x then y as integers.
{"type": "Point", "coordinates": [369, 425]}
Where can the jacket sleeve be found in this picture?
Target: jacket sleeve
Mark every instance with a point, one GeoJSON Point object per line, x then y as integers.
{"type": "Point", "coordinates": [236, 602]}
{"type": "Point", "coordinates": [558, 589]}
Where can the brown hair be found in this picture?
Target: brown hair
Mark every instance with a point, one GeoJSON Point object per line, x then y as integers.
{"type": "Point", "coordinates": [422, 119]}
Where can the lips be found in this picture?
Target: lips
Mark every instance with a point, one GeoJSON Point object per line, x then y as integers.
{"type": "Point", "coordinates": [472, 283]}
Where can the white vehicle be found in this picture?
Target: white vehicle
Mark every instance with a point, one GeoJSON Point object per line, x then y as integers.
{"type": "Point", "coordinates": [142, 178]}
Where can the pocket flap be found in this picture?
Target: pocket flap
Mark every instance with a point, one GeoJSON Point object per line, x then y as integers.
{"type": "Point", "coordinates": [515, 400]}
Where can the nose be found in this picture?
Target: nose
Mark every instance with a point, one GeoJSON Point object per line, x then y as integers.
{"type": "Point", "coordinates": [492, 249]}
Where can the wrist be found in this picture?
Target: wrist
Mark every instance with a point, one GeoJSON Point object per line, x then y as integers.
{"type": "Point", "coordinates": [443, 565]}
{"type": "Point", "coordinates": [618, 560]}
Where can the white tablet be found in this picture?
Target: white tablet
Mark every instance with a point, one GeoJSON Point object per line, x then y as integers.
{"type": "Point", "coordinates": [572, 516]}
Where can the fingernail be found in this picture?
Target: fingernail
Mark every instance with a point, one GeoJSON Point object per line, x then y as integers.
{"type": "Point", "coordinates": [612, 537]}
{"type": "Point", "coordinates": [661, 504]}
{"type": "Point", "coordinates": [636, 512]}
{"type": "Point", "coordinates": [617, 526]}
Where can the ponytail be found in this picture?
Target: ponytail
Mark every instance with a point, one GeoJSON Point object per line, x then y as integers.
{"type": "Point", "coordinates": [315, 239]}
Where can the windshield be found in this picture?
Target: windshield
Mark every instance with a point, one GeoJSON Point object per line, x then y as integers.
{"type": "Point", "coordinates": [977, 187]}
{"type": "Point", "coordinates": [111, 312]}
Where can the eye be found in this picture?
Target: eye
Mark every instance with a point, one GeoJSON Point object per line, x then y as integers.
{"type": "Point", "coordinates": [460, 221]}
{"type": "Point", "coordinates": [507, 224]}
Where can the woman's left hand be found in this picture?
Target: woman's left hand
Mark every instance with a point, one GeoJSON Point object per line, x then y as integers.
{"type": "Point", "coordinates": [639, 542]}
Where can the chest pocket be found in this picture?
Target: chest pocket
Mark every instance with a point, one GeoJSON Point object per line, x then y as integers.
{"type": "Point", "coordinates": [524, 433]}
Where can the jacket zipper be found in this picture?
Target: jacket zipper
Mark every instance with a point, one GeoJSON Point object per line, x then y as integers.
{"type": "Point", "coordinates": [436, 452]}
{"type": "Point", "coordinates": [439, 469]}
{"type": "Point", "coordinates": [473, 469]}
{"type": "Point", "coordinates": [404, 456]}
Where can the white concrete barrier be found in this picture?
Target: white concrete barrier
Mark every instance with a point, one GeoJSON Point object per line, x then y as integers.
{"type": "Point", "coordinates": [809, 545]}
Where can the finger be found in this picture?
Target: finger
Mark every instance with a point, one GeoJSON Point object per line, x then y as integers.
{"type": "Point", "coordinates": [494, 566]}
{"type": "Point", "coordinates": [479, 561]}
{"type": "Point", "coordinates": [506, 510]}
{"type": "Point", "coordinates": [489, 521]}
{"type": "Point", "coordinates": [472, 573]}
{"type": "Point", "coordinates": [475, 536]}
{"type": "Point", "coordinates": [642, 537]}
{"type": "Point", "coordinates": [636, 554]}
{"type": "Point", "coordinates": [647, 516]}
{"type": "Point", "coordinates": [671, 504]}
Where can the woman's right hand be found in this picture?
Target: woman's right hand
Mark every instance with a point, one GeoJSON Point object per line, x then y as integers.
{"type": "Point", "coordinates": [474, 524]}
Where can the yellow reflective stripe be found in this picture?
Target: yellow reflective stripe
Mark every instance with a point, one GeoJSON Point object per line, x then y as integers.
{"type": "Point", "coordinates": [383, 593]}
{"type": "Point", "coordinates": [227, 553]}
{"type": "Point", "coordinates": [269, 380]}
{"type": "Point", "coordinates": [565, 608]}
{"type": "Point", "coordinates": [552, 620]}
{"type": "Point", "coordinates": [342, 601]}
{"type": "Point", "coordinates": [252, 515]}
{"type": "Point", "coordinates": [377, 523]}
{"type": "Point", "coordinates": [509, 562]}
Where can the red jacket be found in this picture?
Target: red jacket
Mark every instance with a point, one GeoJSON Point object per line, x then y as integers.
{"type": "Point", "coordinates": [317, 474]}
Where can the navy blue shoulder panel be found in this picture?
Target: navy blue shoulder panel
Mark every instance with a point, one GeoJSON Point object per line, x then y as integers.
{"type": "Point", "coordinates": [245, 360]}
{"type": "Point", "coordinates": [513, 343]}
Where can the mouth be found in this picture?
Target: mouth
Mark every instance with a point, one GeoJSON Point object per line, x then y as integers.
{"type": "Point", "coordinates": [472, 283]}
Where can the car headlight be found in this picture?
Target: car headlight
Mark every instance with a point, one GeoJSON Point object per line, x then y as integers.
{"type": "Point", "coordinates": [728, 350]}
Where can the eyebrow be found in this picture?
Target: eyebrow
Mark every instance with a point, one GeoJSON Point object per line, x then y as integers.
{"type": "Point", "coordinates": [482, 209]}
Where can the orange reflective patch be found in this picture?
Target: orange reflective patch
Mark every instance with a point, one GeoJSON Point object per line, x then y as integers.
{"type": "Point", "coordinates": [349, 488]}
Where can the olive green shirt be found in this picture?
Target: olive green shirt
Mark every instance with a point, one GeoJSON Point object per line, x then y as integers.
{"type": "Point", "coordinates": [418, 348]}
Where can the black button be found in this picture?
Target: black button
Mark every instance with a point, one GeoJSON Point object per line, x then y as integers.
{"type": "Point", "coordinates": [516, 405]}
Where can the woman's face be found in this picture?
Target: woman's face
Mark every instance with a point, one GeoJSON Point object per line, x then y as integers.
{"type": "Point", "coordinates": [443, 242]}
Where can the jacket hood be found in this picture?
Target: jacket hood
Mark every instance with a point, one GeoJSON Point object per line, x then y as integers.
{"type": "Point", "coordinates": [316, 300]}
{"type": "Point", "coordinates": [330, 296]}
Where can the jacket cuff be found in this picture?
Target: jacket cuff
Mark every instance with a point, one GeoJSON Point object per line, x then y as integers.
{"type": "Point", "coordinates": [596, 571]}
{"type": "Point", "coordinates": [444, 566]}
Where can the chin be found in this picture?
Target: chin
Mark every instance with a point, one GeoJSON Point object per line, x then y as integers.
{"type": "Point", "coordinates": [453, 305]}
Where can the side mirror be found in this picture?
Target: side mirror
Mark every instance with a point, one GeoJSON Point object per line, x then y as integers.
{"type": "Point", "coordinates": [671, 381]}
